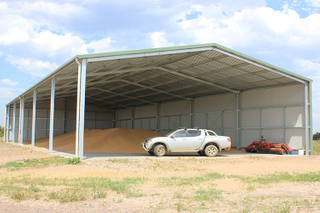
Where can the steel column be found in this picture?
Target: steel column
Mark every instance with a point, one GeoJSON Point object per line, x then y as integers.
{"type": "Point", "coordinates": [14, 123]}
{"type": "Point", "coordinates": [8, 124]}
{"type": "Point", "coordinates": [114, 119]}
{"type": "Point", "coordinates": [132, 118]}
{"type": "Point", "coordinates": [51, 128]}
{"type": "Point", "coordinates": [306, 91]}
{"type": "Point", "coordinates": [5, 124]}
{"type": "Point", "coordinates": [238, 119]}
{"type": "Point", "coordinates": [310, 118]}
{"type": "Point", "coordinates": [157, 117]}
{"type": "Point", "coordinates": [82, 106]}
{"type": "Point", "coordinates": [34, 116]}
{"type": "Point", "coordinates": [78, 109]}
{"type": "Point", "coordinates": [191, 112]}
{"type": "Point", "coordinates": [21, 121]}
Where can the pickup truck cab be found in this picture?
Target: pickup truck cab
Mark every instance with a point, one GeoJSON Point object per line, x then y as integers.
{"type": "Point", "coordinates": [205, 142]}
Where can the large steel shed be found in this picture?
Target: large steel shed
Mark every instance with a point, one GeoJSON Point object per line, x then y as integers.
{"type": "Point", "coordinates": [207, 85]}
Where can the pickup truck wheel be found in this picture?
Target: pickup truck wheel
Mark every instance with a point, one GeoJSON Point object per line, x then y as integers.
{"type": "Point", "coordinates": [160, 150]}
{"type": "Point", "coordinates": [202, 153]}
{"type": "Point", "coordinates": [151, 153]}
{"type": "Point", "coordinates": [211, 150]}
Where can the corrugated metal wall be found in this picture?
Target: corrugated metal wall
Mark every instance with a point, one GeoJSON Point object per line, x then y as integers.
{"type": "Point", "coordinates": [65, 120]}
{"type": "Point", "coordinates": [277, 114]}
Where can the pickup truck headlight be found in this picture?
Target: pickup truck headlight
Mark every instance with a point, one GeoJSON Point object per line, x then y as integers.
{"type": "Point", "coordinates": [149, 141]}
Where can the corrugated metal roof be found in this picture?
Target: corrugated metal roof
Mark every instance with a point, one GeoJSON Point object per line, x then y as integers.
{"type": "Point", "coordinates": [150, 76]}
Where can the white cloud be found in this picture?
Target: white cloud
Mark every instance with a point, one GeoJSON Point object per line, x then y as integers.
{"type": "Point", "coordinates": [32, 66]}
{"type": "Point", "coordinates": [103, 45]}
{"type": "Point", "coordinates": [53, 44]}
{"type": "Point", "coordinates": [158, 40]}
{"type": "Point", "coordinates": [8, 82]}
{"type": "Point", "coordinates": [7, 92]}
{"type": "Point", "coordinates": [314, 3]}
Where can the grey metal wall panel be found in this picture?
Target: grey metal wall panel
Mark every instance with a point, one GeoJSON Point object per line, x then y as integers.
{"type": "Point", "coordinates": [274, 135]}
{"type": "Point", "coordinates": [58, 132]}
{"type": "Point", "coordinates": [70, 125]}
{"type": "Point", "coordinates": [164, 123]}
{"type": "Point", "coordinates": [137, 124]}
{"type": "Point", "coordinates": [230, 119]}
{"type": "Point", "coordinates": [70, 114]}
{"type": "Point", "coordinates": [250, 118]}
{"type": "Point", "coordinates": [185, 121]}
{"type": "Point", "coordinates": [123, 114]}
{"type": "Point", "coordinates": [42, 114]}
{"type": "Point", "coordinates": [200, 121]}
{"type": "Point", "coordinates": [145, 111]}
{"type": "Point", "coordinates": [89, 124]}
{"type": "Point", "coordinates": [42, 123]}
{"type": "Point", "coordinates": [214, 121]}
{"type": "Point", "coordinates": [145, 124]}
{"type": "Point", "coordinates": [41, 134]}
{"type": "Point", "coordinates": [247, 137]}
{"type": "Point", "coordinates": [273, 117]}
{"type": "Point", "coordinates": [215, 103]}
{"type": "Point", "coordinates": [103, 124]}
{"type": "Point", "coordinates": [175, 108]}
{"type": "Point", "coordinates": [174, 122]}
{"type": "Point", "coordinates": [273, 97]}
{"type": "Point", "coordinates": [90, 115]}
{"type": "Point", "coordinates": [295, 138]}
{"type": "Point", "coordinates": [295, 116]}
{"type": "Point", "coordinates": [70, 105]}
{"type": "Point", "coordinates": [104, 116]}
{"type": "Point", "coordinates": [153, 123]}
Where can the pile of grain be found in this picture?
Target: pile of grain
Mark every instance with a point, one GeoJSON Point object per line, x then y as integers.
{"type": "Point", "coordinates": [110, 140]}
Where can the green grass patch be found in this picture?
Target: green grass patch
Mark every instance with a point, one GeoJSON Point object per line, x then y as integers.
{"type": "Point", "coordinates": [207, 195]}
{"type": "Point", "coordinates": [316, 147]}
{"type": "Point", "coordinates": [279, 177]}
{"type": "Point", "coordinates": [123, 161]}
{"type": "Point", "coordinates": [72, 189]}
{"type": "Point", "coordinates": [39, 162]}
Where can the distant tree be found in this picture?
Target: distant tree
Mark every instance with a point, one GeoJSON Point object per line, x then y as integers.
{"type": "Point", "coordinates": [316, 136]}
{"type": "Point", "coordinates": [1, 131]}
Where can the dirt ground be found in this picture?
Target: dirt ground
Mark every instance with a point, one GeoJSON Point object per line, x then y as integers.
{"type": "Point", "coordinates": [242, 184]}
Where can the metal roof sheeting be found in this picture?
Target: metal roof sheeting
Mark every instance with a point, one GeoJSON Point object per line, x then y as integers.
{"type": "Point", "coordinates": [143, 77]}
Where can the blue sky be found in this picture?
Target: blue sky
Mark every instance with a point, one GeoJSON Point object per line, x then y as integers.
{"type": "Point", "coordinates": [38, 36]}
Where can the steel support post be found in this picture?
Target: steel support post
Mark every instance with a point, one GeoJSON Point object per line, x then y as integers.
{"type": "Point", "coordinates": [306, 116]}
{"type": "Point", "coordinates": [114, 119]}
{"type": "Point", "coordinates": [14, 122]}
{"type": "Point", "coordinates": [34, 116]}
{"type": "Point", "coordinates": [310, 118]}
{"type": "Point", "coordinates": [78, 109]}
{"type": "Point", "coordinates": [238, 120]}
{"type": "Point", "coordinates": [132, 118]}
{"type": "Point", "coordinates": [5, 124]}
{"type": "Point", "coordinates": [21, 121]}
{"type": "Point", "coordinates": [191, 112]}
{"type": "Point", "coordinates": [51, 127]}
{"type": "Point", "coordinates": [157, 117]}
{"type": "Point", "coordinates": [82, 106]}
{"type": "Point", "coordinates": [8, 124]}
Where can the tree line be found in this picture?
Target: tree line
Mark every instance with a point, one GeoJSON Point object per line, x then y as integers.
{"type": "Point", "coordinates": [316, 136]}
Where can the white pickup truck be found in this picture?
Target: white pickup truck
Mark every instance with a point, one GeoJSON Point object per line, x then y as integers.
{"type": "Point", "coordinates": [205, 142]}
